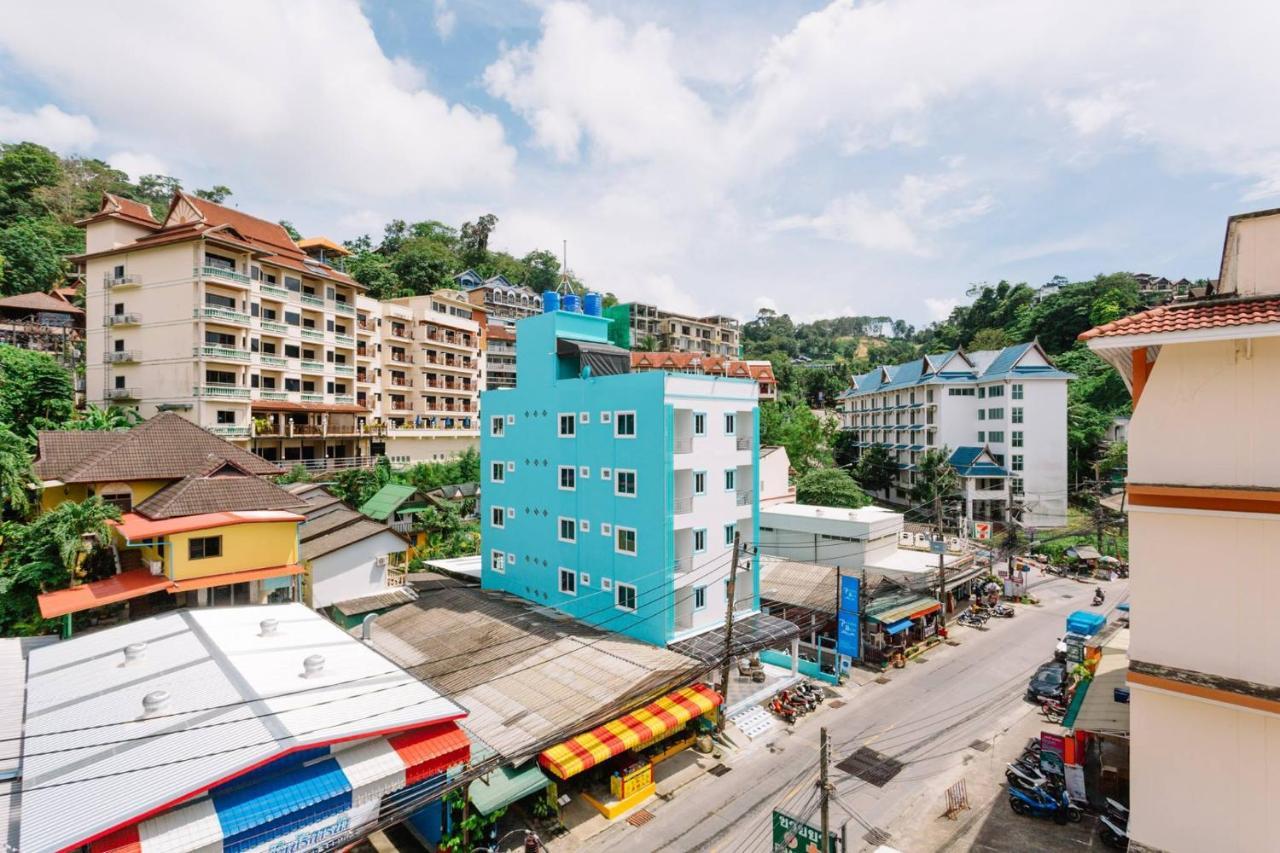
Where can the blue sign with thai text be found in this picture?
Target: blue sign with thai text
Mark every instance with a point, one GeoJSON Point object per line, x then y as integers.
{"type": "Point", "coordinates": [848, 620]}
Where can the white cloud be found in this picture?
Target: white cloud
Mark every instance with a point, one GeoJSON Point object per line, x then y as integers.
{"type": "Point", "coordinates": [445, 20]}
{"type": "Point", "coordinates": [136, 164]}
{"type": "Point", "coordinates": [853, 218]}
{"type": "Point", "coordinates": [50, 126]}
{"type": "Point", "coordinates": [288, 98]}
{"type": "Point", "coordinates": [940, 309]}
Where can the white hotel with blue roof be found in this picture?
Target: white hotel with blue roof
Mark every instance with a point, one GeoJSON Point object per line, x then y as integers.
{"type": "Point", "coordinates": [1003, 414]}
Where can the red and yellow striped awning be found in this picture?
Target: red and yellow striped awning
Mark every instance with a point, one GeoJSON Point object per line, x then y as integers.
{"type": "Point", "coordinates": [629, 731]}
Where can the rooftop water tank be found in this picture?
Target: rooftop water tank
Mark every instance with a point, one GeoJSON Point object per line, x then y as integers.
{"type": "Point", "coordinates": [550, 302]}
{"type": "Point", "coordinates": [593, 304]}
{"type": "Point", "coordinates": [571, 303]}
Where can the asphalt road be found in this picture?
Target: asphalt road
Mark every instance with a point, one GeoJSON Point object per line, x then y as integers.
{"type": "Point", "coordinates": [926, 719]}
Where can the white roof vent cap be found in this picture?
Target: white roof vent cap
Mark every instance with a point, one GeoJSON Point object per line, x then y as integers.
{"type": "Point", "coordinates": [134, 652]}
{"type": "Point", "coordinates": [313, 666]}
{"type": "Point", "coordinates": [268, 627]}
{"type": "Point", "coordinates": [155, 703]}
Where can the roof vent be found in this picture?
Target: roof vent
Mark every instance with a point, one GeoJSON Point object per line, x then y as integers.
{"type": "Point", "coordinates": [313, 666]}
{"type": "Point", "coordinates": [268, 627]}
{"type": "Point", "coordinates": [155, 703]}
{"type": "Point", "coordinates": [134, 652]}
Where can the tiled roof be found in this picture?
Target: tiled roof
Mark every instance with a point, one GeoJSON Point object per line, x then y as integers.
{"type": "Point", "coordinates": [39, 302]}
{"type": "Point", "coordinates": [497, 332]}
{"type": "Point", "coordinates": [286, 406]}
{"type": "Point", "coordinates": [258, 230]}
{"type": "Point", "coordinates": [194, 495]}
{"type": "Point", "coordinates": [335, 530]}
{"type": "Point", "coordinates": [709, 364]}
{"type": "Point", "coordinates": [1185, 317]}
{"type": "Point", "coordinates": [975, 462]}
{"type": "Point", "coordinates": [166, 447]}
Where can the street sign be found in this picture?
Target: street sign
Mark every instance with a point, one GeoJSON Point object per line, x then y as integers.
{"type": "Point", "coordinates": [849, 619]}
{"type": "Point", "coordinates": [937, 546]}
{"type": "Point", "coordinates": [792, 836]}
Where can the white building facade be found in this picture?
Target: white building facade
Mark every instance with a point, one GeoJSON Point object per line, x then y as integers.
{"type": "Point", "coordinates": [1002, 414]}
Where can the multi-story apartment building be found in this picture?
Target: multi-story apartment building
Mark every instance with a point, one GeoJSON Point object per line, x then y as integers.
{"type": "Point", "coordinates": [760, 372]}
{"type": "Point", "coordinates": [614, 496]}
{"type": "Point", "coordinates": [1204, 532]}
{"type": "Point", "coordinates": [223, 318]}
{"type": "Point", "coordinates": [500, 356]}
{"type": "Point", "coordinates": [636, 326]}
{"type": "Point", "coordinates": [505, 302]}
{"type": "Point", "coordinates": [1003, 414]}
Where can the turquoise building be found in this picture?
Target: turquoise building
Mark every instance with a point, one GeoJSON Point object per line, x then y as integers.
{"type": "Point", "coordinates": [615, 496]}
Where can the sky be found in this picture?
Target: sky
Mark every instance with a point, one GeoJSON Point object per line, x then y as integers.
{"type": "Point", "coordinates": [815, 158]}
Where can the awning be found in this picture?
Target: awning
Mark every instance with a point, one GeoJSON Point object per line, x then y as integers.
{"type": "Point", "coordinates": [134, 583]}
{"type": "Point", "coordinates": [136, 528]}
{"type": "Point", "coordinates": [331, 408]}
{"type": "Point", "coordinates": [898, 627]}
{"type": "Point", "coordinates": [909, 608]}
{"type": "Point", "coordinates": [603, 359]}
{"type": "Point", "coordinates": [235, 577]}
{"type": "Point", "coordinates": [506, 785]}
{"type": "Point", "coordinates": [752, 633]}
{"type": "Point", "coordinates": [630, 731]}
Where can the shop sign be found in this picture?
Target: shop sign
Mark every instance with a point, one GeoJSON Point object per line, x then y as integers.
{"type": "Point", "coordinates": [982, 530]}
{"type": "Point", "coordinates": [1053, 750]}
{"type": "Point", "coordinates": [323, 833]}
{"type": "Point", "coordinates": [849, 619]}
{"type": "Point", "coordinates": [1073, 776]}
{"type": "Point", "coordinates": [937, 546]}
{"type": "Point", "coordinates": [792, 836]}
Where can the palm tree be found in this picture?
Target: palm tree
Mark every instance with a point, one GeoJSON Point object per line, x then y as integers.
{"type": "Point", "coordinates": [936, 481]}
{"type": "Point", "coordinates": [106, 419]}
{"type": "Point", "coordinates": [18, 482]}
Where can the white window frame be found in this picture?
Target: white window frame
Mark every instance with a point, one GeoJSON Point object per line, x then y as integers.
{"type": "Point", "coordinates": [1016, 414]}
{"type": "Point", "coordinates": [511, 512]}
{"type": "Point", "coordinates": [699, 592]}
{"type": "Point", "coordinates": [584, 579]}
{"type": "Point", "coordinates": [617, 482]}
{"type": "Point", "coordinates": [573, 478]}
{"type": "Point", "coordinates": [1017, 392]}
{"type": "Point", "coordinates": [1016, 440]}
{"type": "Point", "coordinates": [635, 540]}
{"type": "Point", "coordinates": [572, 423]}
{"type": "Point", "coordinates": [584, 417]}
{"type": "Point", "coordinates": [584, 472]}
{"type": "Point", "coordinates": [497, 518]}
{"type": "Point", "coordinates": [696, 490]}
{"type": "Point", "coordinates": [606, 417]}
{"type": "Point", "coordinates": [730, 479]}
{"type": "Point", "coordinates": [1016, 462]}
{"type": "Point", "coordinates": [696, 431]}
{"type": "Point", "coordinates": [606, 529]}
{"type": "Point", "coordinates": [511, 467]}
{"type": "Point", "coordinates": [617, 422]}
{"type": "Point", "coordinates": [731, 423]}
{"type": "Point", "coordinates": [635, 597]}
{"type": "Point", "coordinates": [606, 584]}
{"type": "Point", "coordinates": [729, 530]}
{"type": "Point", "coordinates": [500, 470]}
{"type": "Point", "coordinates": [606, 473]}
{"type": "Point", "coordinates": [511, 557]}
{"type": "Point", "coordinates": [584, 526]}
{"type": "Point", "coordinates": [573, 581]}
{"type": "Point", "coordinates": [573, 527]}
{"type": "Point", "coordinates": [497, 561]}
{"type": "Point", "coordinates": [703, 549]}
{"type": "Point", "coordinates": [497, 426]}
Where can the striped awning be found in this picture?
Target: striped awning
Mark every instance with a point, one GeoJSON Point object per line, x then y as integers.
{"type": "Point", "coordinates": [630, 731]}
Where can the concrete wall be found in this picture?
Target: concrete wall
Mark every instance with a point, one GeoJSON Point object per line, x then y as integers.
{"type": "Point", "coordinates": [351, 572]}
{"type": "Point", "coordinates": [847, 539]}
{"type": "Point", "coordinates": [1252, 257]}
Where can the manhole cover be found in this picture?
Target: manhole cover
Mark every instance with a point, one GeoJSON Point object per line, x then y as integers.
{"type": "Point", "coordinates": [640, 818]}
{"type": "Point", "coordinates": [719, 770]}
{"type": "Point", "coordinates": [837, 703]}
{"type": "Point", "coordinates": [871, 766]}
{"type": "Point", "coordinates": [980, 745]}
{"type": "Point", "coordinates": [882, 680]}
{"type": "Point", "coordinates": [877, 837]}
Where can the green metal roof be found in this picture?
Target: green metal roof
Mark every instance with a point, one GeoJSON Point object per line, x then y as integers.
{"type": "Point", "coordinates": [387, 500]}
{"type": "Point", "coordinates": [506, 785]}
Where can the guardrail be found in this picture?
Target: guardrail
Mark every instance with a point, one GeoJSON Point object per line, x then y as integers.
{"type": "Point", "coordinates": [121, 280]}
{"type": "Point", "coordinates": [744, 497]}
{"type": "Point", "coordinates": [226, 315]}
{"type": "Point", "coordinates": [125, 319]}
{"type": "Point", "coordinates": [228, 353]}
{"type": "Point", "coordinates": [744, 442]}
{"type": "Point", "coordinates": [682, 506]}
{"type": "Point", "coordinates": [683, 444]}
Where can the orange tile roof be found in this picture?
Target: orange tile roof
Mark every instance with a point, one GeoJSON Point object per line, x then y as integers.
{"type": "Point", "coordinates": [135, 527]}
{"type": "Point", "coordinates": [1199, 315]}
{"type": "Point", "coordinates": [255, 229]}
{"type": "Point", "coordinates": [323, 243]}
{"type": "Point", "coordinates": [121, 587]}
{"type": "Point", "coordinates": [709, 364]}
{"type": "Point", "coordinates": [496, 332]}
{"type": "Point", "coordinates": [286, 406]}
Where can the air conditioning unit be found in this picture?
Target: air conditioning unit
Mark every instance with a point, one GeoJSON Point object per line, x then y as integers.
{"type": "Point", "coordinates": [156, 567]}
{"type": "Point", "coordinates": [380, 561]}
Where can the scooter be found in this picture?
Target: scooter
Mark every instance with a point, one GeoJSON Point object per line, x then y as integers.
{"type": "Point", "coordinates": [1113, 827]}
{"type": "Point", "coordinates": [783, 710]}
{"type": "Point", "coordinates": [811, 691]}
{"type": "Point", "coordinates": [801, 703]}
{"type": "Point", "coordinates": [1040, 802]}
{"type": "Point", "coordinates": [1098, 596]}
{"type": "Point", "coordinates": [1020, 776]}
{"type": "Point", "coordinates": [1004, 611]}
{"type": "Point", "coordinates": [1052, 709]}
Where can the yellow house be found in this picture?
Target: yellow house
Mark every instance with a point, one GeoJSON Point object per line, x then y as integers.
{"type": "Point", "coordinates": [199, 525]}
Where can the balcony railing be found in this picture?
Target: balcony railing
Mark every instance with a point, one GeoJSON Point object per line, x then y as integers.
{"type": "Point", "coordinates": [313, 367]}
{"type": "Point", "coordinates": [313, 301]}
{"type": "Point", "coordinates": [684, 565]}
{"type": "Point", "coordinates": [122, 355]}
{"type": "Point", "coordinates": [683, 444]}
{"type": "Point", "coordinates": [344, 308]}
{"type": "Point", "coordinates": [306, 429]}
{"type": "Point", "coordinates": [120, 394]}
{"type": "Point", "coordinates": [400, 359]}
{"type": "Point", "coordinates": [402, 525]}
{"type": "Point", "coordinates": [313, 334]}
{"type": "Point", "coordinates": [272, 290]}
{"type": "Point", "coordinates": [344, 370]}
{"type": "Point", "coordinates": [228, 391]}
{"type": "Point", "coordinates": [225, 315]}
{"type": "Point", "coordinates": [126, 319]}
{"type": "Point", "coordinates": [344, 340]}
{"type": "Point", "coordinates": [313, 398]}
{"type": "Point", "coordinates": [228, 430]}
{"type": "Point", "coordinates": [274, 395]}
{"type": "Point", "coordinates": [273, 361]}
{"type": "Point", "coordinates": [348, 399]}
{"type": "Point", "coordinates": [278, 328]}
{"type": "Point", "coordinates": [744, 496]}
{"type": "Point", "coordinates": [224, 353]}
{"type": "Point", "coordinates": [207, 271]}
{"type": "Point", "coordinates": [115, 281]}
{"type": "Point", "coordinates": [681, 506]}
{"type": "Point", "coordinates": [744, 442]}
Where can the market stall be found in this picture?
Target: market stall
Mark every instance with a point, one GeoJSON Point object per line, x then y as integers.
{"type": "Point", "coordinates": [899, 625]}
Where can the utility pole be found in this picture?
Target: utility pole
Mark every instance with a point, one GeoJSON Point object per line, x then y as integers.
{"type": "Point", "coordinates": [825, 792]}
{"type": "Point", "coordinates": [942, 558]}
{"type": "Point", "coordinates": [728, 633]}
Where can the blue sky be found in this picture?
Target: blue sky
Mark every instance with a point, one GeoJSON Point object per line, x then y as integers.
{"type": "Point", "coordinates": [820, 158]}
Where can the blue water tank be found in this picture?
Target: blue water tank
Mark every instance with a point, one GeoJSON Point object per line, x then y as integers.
{"type": "Point", "coordinates": [550, 302]}
{"type": "Point", "coordinates": [571, 303]}
{"type": "Point", "coordinates": [593, 304]}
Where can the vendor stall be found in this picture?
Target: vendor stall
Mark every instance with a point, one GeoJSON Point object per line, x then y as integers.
{"type": "Point", "coordinates": [898, 624]}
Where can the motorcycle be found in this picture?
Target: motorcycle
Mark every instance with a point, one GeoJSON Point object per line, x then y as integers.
{"type": "Point", "coordinates": [1052, 709]}
{"type": "Point", "coordinates": [1019, 775]}
{"type": "Point", "coordinates": [811, 691]}
{"type": "Point", "coordinates": [800, 702]}
{"type": "Point", "coordinates": [1040, 802]}
{"type": "Point", "coordinates": [782, 710]}
{"type": "Point", "coordinates": [1004, 611]}
{"type": "Point", "coordinates": [1098, 596]}
{"type": "Point", "coordinates": [1113, 827]}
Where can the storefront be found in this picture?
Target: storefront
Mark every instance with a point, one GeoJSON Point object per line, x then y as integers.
{"type": "Point", "coordinates": [898, 625]}
{"type": "Point", "coordinates": [613, 766]}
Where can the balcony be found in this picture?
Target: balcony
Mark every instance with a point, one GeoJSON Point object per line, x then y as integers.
{"type": "Point", "coordinates": [682, 506]}
{"type": "Point", "coordinates": [313, 367]}
{"type": "Point", "coordinates": [222, 353]}
{"type": "Point", "coordinates": [346, 399]}
{"type": "Point", "coordinates": [313, 334]}
{"type": "Point", "coordinates": [306, 429]}
{"type": "Point", "coordinates": [344, 308]}
{"type": "Point", "coordinates": [232, 392]}
{"type": "Point", "coordinates": [344, 340]}
{"type": "Point", "coordinates": [221, 315]}
{"type": "Point", "coordinates": [344, 370]}
{"type": "Point", "coordinates": [273, 395]}
{"type": "Point", "coordinates": [313, 398]}
{"type": "Point", "coordinates": [401, 332]}
{"type": "Point", "coordinates": [273, 361]}
{"type": "Point", "coordinates": [273, 291]}
{"type": "Point", "coordinates": [119, 282]}
{"type": "Point", "coordinates": [365, 325]}
{"type": "Point", "coordinates": [124, 319]}
{"type": "Point", "coordinates": [278, 328]}
{"type": "Point", "coordinates": [120, 394]}
{"type": "Point", "coordinates": [403, 358]}
{"type": "Point", "coordinates": [683, 444]}
{"type": "Point", "coordinates": [313, 301]}
{"type": "Point", "coordinates": [222, 274]}
{"type": "Point", "coordinates": [122, 356]}
{"type": "Point", "coordinates": [684, 565]}
{"type": "Point", "coordinates": [228, 430]}
{"type": "Point", "coordinates": [745, 496]}
{"type": "Point", "coordinates": [744, 442]}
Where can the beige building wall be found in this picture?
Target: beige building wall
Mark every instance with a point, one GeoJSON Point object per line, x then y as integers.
{"type": "Point", "coordinates": [1251, 257]}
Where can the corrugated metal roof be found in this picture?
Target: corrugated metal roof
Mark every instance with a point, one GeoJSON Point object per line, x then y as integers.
{"type": "Point", "coordinates": [386, 500]}
{"type": "Point", "coordinates": [377, 601]}
{"type": "Point", "coordinates": [202, 659]}
{"type": "Point", "coordinates": [13, 677]}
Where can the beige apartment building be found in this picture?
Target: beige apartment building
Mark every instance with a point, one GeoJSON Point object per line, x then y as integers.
{"type": "Point", "coordinates": [1204, 532]}
{"type": "Point", "coordinates": [714, 335]}
{"type": "Point", "coordinates": [223, 318]}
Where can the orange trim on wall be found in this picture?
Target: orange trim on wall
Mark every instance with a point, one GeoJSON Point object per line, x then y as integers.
{"type": "Point", "coordinates": [1141, 370]}
{"type": "Point", "coordinates": [1217, 498]}
{"type": "Point", "coordinates": [1201, 692]}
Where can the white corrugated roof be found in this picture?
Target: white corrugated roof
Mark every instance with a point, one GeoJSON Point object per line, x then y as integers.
{"type": "Point", "coordinates": [202, 658]}
{"type": "Point", "coordinates": [13, 676]}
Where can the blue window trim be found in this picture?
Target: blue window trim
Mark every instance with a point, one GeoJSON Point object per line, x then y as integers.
{"type": "Point", "coordinates": [729, 530]}
{"type": "Point", "coordinates": [734, 472]}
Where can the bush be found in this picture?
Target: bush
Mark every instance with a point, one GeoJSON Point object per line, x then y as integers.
{"type": "Point", "coordinates": [830, 487]}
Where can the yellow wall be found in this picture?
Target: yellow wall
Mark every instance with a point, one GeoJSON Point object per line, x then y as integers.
{"type": "Point", "coordinates": [142, 489]}
{"type": "Point", "coordinates": [244, 547]}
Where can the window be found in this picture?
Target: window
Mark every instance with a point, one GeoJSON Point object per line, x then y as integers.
{"type": "Point", "coordinates": [497, 473]}
{"type": "Point", "coordinates": [497, 561]}
{"type": "Point", "coordinates": [625, 541]}
{"type": "Point", "coordinates": [584, 473]}
{"type": "Point", "coordinates": [995, 391]}
{"type": "Point", "coordinates": [567, 426]}
{"type": "Point", "coordinates": [119, 344]}
{"type": "Point", "coordinates": [1016, 462]}
{"type": "Point", "coordinates": [606, 417]}
{"type": "Point", "coordinates": [699, 423]}
{"type": "Point", "coordinates": [626, 597]}
{"type": "Point", "coordinates": [982, 437]}
{"type": "Point", "coordinates": [995, 414]}
{"type": "Point", "coordinates": [624, 425]}
{"type": "Point", "coordinates": [584, 417]}
{"type": "Point", "coordinates": [699, 540]}
{"type": "Point", "coordinates": [567, 478]}
{"type": "Point", "coordinates": [568, 581]}
{"type": "Point", "coordinates": [606, 529]}
{"type": "Point", "coordinates": [1017, 414]}
{"type": "Point", "coordinates": [1017, 392]}
{"type": "Point", "coordinates": [699, 597]}
{"type": "Point", "coordinates": [1017, 438]}
{"type": "Point", "coordinates": [730, 423]}
{"type": "Point", "coordinates": [729, 530]}
{"type": "Point", "coordinates": [584, 579]}
{"type": "Point", "coordinates": [624, 483]}
{"type": "Point", "coordinates": [568, 530]}
{"type": "Point", "coordinates": [1015, 485]}
{"type": "Point", "coordinates": [497, 518]}
{"type": "Point", "coordinates": [982, 393]}
{"type": "Point", "coordinates": [584, 526]}
{"type": "Point", "coordinates": [699, 482]}
{"type": "Point", "coordinates": [292, 350]}
{"type": "Point", "coordinates": [959, 392]}
{"type": "Point", "coordinates": [995, 436]}
{"type": "Point", "coordinates": [219, 377]}
{"type": "Point", "coordinates": [606, 473]}
{"type": "Point", "coordinates": [496, 426]}
{"type": "Point", "coordinates": [606, 584]}
{"type": "Point", "coordinates": [982, 414]}
{"type": "Point", "coordinates": [118, 495]}
{"type": "Point", "coordinates": [219, 301]}
{"type": "Point", "coordinates": [203, 547]}
{"type": "Point", "coordinates": [293, 318]}
{"type": "Point", "coordinates": [730, 479]}
{"type": "Point", "coordinates": [219, 339]}
{"type": "Point", "coordinates": [511, 420]}
{"type": "Point", "coordinates": [226, 417]}
{"type": "Point", "coordinates": [292, 384]}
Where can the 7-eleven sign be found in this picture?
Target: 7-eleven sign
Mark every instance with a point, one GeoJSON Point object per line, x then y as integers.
{"type": "Point", "coordinates": [982, 530]}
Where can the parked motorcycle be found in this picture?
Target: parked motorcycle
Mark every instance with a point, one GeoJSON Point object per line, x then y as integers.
{"type": "Point", "coordinates": [1041, 802]}
{"type": "Point", "coordinates": [1052, 709]}
{"type": "Point", "coordinates": [812, 691]}
{"type": "Point", "coordinates": [1098, 596]}
{"type": "Point", "coordinates": [1113, 827]}
{"type": "Point", "coordinates": [800, 702]}
{"type": "Point", "coordinates": [1004, 611]}
{"type": "Point", "coordinates": [1019, 775]}
{"type": "Point", "coordinates": [782, 710]}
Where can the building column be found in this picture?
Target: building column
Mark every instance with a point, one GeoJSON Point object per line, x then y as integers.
{"type": "Point", "coordinates": [795, 655]}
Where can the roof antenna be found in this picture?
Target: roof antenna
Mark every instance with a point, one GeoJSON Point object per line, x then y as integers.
{"type": "Point", "coordinates": [564, 269]}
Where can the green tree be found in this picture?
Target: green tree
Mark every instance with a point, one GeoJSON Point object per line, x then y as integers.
{"type": "Point", "coordinates": [25, 168]}
{"type": "Point", "coordinates": [447, 534]}
{"type": "Point", "coordinates": [936, 480]}
{"type": "Point", "coordinates": [791, 424]}
{"type": "Point", "coordinates": [35, 391]}
{"type": "Point", "coordinates": [877, 470]}
{"type": "Point", "coordinates": [18, 483]}
{"type": "Point", "coordinates": [31, 262]}
{"type": "Point", "coordinates": [156, 191]}
{"type": "Point", "coordinates": [79, 189]}
{"type": "Point", "coordinates": [217, 194]}
{"type": "Point", "coordinates": [542, 270]}
{"type": "Point", "coordinates": [1115, 458]}
{"type": "Point", "coordinates": [423, 265]}
{"type": "Point", "coordinates": [829, 487]}
{"type": "Point", "coordinates": [96, 419]}
{"type": "Point", "coordinates": [989, 338]}
{"type": "Point", "coordinates": [473, 240]}
{"type": "Point", "coordinates": [283, 223]}
{"type": "Point", "coordinates": [374, 272]}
